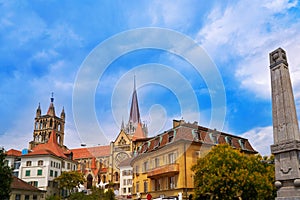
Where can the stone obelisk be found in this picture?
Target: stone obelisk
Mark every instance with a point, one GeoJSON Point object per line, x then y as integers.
{"type": "Point", "coordinates": [286, 147]}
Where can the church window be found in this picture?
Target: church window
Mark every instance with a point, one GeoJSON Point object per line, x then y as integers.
{"type": "Point", "coordinates": [116, 176]}
{"type": "Point", "coordinates": [39, 172]}
{"type": "Point", "coordinates": [104, 179]}
{"type": "Point", "coordinates": [28, 163]}
{"type": "Point", "coordinates": [27, 173]}
{"type": "Point", "coordinates": [51, 123]}
{"type": "Point", "coordinates": [36, 125]}
{"type": "Point", "coordinates": [40, 163]}
{"type": "Point", "coordinates": [59, 127]}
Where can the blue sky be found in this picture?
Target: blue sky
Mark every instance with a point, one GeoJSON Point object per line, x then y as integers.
{"type": "Point", "coordinates": [45, 44]}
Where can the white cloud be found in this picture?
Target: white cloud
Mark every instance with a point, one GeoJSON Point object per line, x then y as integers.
{"type": "Point", "coordinates": [248, 31]}
{"type": "Point", "coordinates": [261, 138]}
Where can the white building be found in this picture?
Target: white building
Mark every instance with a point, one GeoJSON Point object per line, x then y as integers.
{"type": "Point", "coordinates": [125, 178]}
{"type": "Point", "coordinates": [44, 163]}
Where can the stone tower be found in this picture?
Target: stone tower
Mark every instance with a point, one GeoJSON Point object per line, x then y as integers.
{"type": "Point", "coordinates": [286, 148]}
{"type": "Point", "coordinates": [45, 124]}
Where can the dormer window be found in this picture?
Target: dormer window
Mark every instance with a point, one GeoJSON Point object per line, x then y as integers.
{"type": "Point", "coordinates": [157, 142]}
{"type": "Point", "coordinates": [213, 137]}
{"type": "Point", "coordinates": [242, 143]}
{"type": "Point", "coordinates": [170, 137]}
{"type": "Point", "coordinates": [228, 140]}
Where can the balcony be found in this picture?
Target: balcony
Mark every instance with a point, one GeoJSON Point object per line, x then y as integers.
{"type": "Point", "coordinates": [169, 170]}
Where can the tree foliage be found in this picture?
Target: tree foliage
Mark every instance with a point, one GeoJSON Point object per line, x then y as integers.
{"type": "Point", "coordinates": [226, 173]}
{"type": "Point", "coordinates": [69, 180]}
{"type": "Point", "coordinates": [97, 194]}
{"type": "Point", "coordinates": [5, 177]}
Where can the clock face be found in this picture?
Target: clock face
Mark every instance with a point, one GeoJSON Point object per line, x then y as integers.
{"type": "Point", "coordinates": [120, 157]}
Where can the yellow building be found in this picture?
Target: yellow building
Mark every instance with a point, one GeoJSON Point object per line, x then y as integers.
{"type": "Point", "coordinates": [162, 165]}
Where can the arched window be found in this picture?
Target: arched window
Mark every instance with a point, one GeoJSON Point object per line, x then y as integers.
{"type": "Point", "coordinates": [89, 181]}
{"type": "Point", "coordinates": [99, 178]}
{"type": "Point", "coordinates": [51, 123]}
{"type": "Point", "coordinates": [104, 179]}
{"type": "Point", "coordinates": [116, 176]}
{"type": "Point", "coordinates": [40, 163]}
{"type": "Point", "coordinates": [28, 163]}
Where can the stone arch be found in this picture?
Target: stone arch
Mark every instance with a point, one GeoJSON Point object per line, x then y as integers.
{"type": "Point", "coordinates": [89, 181]}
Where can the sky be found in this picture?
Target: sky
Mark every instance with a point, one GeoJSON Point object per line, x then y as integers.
{"type": "Point", "coordinates": [197, 60]}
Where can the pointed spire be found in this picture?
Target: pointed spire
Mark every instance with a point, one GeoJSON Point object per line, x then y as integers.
{"type": "Point", "coordinates": [38, 111]}
{"type": "Point", "coordinates": [63, 114]}
{"type": "Point", "coordinates": [122, 125]}
{"type": "Point", "coordinates": [51, 110]}
{"type": "Point", "coordinates": [134, 116]}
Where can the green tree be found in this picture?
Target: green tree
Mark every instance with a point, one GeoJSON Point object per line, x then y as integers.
{"type": "Point", "coordinates": [5, 177]}
{"type": "Point", "coordinates": [226, 173]}
{"type": "Point", "coordinates": [69, 180]}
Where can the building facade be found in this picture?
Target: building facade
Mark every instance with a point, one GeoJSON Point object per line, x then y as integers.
{"type": "Point", "coordinates": [162, 165]}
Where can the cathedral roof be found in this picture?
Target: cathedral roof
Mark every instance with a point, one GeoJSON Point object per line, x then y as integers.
{"type": "Point", "coordinates": [50, 148]}
{"type": "Point", "coordinates": [90, 152]}
{"type": "Point", "coordinates": [139, 133]}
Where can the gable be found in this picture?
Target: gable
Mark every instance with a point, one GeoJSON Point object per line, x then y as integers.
{"type": "Point", "coordinates": [122, 139]}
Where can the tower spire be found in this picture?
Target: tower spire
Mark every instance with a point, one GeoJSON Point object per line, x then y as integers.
{"type": "Point", "coordinates": [134, 116]}
{"type": "Point", "coordinates": [51, 109]}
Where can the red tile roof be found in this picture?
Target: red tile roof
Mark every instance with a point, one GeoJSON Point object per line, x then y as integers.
{"type": "Point", "coordinates": [194, 133]}
{"type": "Point", "coordinates": [13, 152]}
{"type": "Point", "coordinates": [91, 152]}
{"type": "Point", "coordinates": [50, 148]}
{"type": "Point", "coordinates": [19, 184]}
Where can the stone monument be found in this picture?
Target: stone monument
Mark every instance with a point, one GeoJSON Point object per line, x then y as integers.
{"type": "Point", "coordinates": [286, 147]}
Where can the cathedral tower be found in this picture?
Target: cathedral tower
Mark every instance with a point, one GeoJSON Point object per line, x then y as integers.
{"type": "Point", "coordinates": [45, 124]}
{"type": "Point", "coordinates": [134, 116]}
{"type": "Point", "coordinates": [286, 148]}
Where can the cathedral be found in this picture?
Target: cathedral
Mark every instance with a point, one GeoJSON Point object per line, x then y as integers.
{"type": "Point", "coordinates": [100, 164]}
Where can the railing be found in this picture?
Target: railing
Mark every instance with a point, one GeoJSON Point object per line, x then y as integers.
{"type": "Point", "coordinates": [164, 170]}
